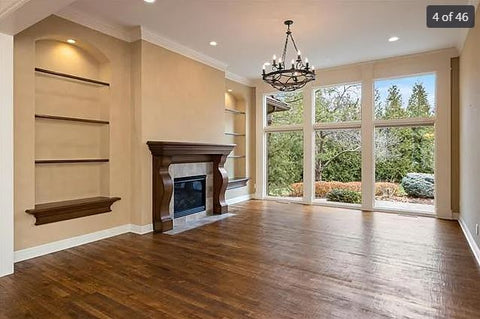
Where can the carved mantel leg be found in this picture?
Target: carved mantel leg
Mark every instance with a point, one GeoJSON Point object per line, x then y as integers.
{"type": "Point", "coordinates": [220, 183]}
{"type": "Point", "coordinates": [162, 194]}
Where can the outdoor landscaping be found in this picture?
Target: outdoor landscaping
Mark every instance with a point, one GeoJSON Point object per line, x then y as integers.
{"type": "Point", "coordinates": [404, 156]}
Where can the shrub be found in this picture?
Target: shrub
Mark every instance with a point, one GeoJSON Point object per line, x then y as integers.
{"type": "Point", "coordinates": [419, 185]}
{"type": "Point", "coordinates": [386, 189]}
{"type": "Point", "coordinates": [344, 196]}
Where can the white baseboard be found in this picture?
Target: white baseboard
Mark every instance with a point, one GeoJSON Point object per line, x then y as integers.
{"type": "Point", "coordinates": [239, 199]}
{"type": "Point", "coordinates": [141, 230]}
{"type": "Point", "coordinates": [470, 239]}
{"type": "Point", "coordinates": [55, 246]}
{"type": "Point", "coordinates": [37, 251]}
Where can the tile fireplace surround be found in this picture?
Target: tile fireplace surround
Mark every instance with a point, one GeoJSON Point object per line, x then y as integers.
{"type": "Point", "coordinates": [187, 170]}
{"type": "Point", "coordinates": [164, 154]}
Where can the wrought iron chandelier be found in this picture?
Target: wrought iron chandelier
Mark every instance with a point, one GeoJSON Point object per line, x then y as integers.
{"type": "Point", "coordinates": [293, 78]}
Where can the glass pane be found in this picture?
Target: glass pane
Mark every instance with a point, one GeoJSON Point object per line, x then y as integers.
{"type": "Point", "coordinates": [404, 168]}
{"type": "Point", "coordinates": [338, 103]}
{"type": "Point", "coordinates": [285, 163]}
{"type": "Point", "coordinates": [407, 97]}
{"type": "Point", "coordinates": [285, 108]}
{"type": "Point", "coordinates": [338, 162]}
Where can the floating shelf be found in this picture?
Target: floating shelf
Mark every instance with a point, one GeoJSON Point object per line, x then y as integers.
{"type": "Point", "coordinates": [234, 134]}
{"type": "Point", "coordinates": [73, 119]}
{"type": "Point", "coordinates": [72, 77]}
{"type": "Point", "coordinates": [70, 209]}
{"type": "Point", "coordinates": [234, 111]}
{"type": "Point", "coordinates": [72, 161]}
{"type": "Point", "coordinates": [237, 182]}
{"type": "Point", "coordinates": [236, 156]}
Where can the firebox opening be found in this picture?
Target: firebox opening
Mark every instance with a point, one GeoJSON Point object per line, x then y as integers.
{"type": "Point", "coordinates": [189, 195]}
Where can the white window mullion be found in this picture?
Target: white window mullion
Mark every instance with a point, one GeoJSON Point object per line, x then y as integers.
{"type": "Point", "coordinates": [368, 140]}
{"type": "Point", "coordinates": [308, 146]}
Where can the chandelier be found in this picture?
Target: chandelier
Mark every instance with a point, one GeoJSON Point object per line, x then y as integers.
{"type": "Point", "coordinates": [289, 79]}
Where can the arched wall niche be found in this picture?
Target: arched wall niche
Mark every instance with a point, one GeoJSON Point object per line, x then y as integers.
{"type": "Point", "coordinates": [64, 97]}
{"type": "Point", "coordinates": [81, 58]}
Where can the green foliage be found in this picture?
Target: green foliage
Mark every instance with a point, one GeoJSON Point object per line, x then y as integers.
{"type": "Point", "coordinates": [344, 196]}
{"type": "Point", "coordinates": [398, 151]}
{"type": "Point", "coordinates": [419, 185]}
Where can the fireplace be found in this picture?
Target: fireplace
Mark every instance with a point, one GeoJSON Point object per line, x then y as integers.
{"type": "Point", "coordinates": [189, 195]}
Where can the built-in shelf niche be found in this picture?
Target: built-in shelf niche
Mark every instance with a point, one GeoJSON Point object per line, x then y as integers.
{"type": "Point", "coordinates": [235, 133]}
{"type": "Point", "coordinates": [72, 132]}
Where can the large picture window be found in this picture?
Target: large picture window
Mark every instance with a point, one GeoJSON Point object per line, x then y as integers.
{"type": "Point", "coordinates": [370, 144]}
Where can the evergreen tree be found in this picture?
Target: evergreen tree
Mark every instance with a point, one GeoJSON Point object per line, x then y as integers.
{"type": "Point", "coordinates": [418, 105]}
{"type": "Point", "coordinates": [393, 104]}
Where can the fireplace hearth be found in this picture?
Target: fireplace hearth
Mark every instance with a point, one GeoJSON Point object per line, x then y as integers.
{"type": "Point", "coordinates": [189, 195]}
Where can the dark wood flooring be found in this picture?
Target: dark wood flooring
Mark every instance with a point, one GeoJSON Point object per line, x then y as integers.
{"type": "Point", "coordinates": [271, 260]}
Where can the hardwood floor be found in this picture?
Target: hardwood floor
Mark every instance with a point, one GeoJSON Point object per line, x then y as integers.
{"type": "Point", "coordinates": [271, 260]}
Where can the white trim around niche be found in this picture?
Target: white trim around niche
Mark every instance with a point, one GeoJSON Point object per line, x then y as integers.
{"type": "Point", "coordinates": [6, 155]}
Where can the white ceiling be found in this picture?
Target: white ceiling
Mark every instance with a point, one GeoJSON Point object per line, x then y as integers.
{"type": "Point", "coordinates": [248, 32]}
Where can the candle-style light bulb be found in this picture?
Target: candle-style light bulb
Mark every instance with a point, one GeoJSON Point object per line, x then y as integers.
{"type": "Point", "coordinates": [264, 66]}
{"type": "Point", "coordinates": [306, 62]}
{"type": "Point", "coordinates": [293, 63]}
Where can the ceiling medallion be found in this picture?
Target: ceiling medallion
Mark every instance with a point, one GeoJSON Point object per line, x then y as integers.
{"type": "Point", "coordinates": [293, 78]}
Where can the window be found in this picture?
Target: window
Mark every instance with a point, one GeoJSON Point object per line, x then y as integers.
{"type": "Point", "coordinates": [285, 164]}
{"type": "Point", "coordinates": [338, 165]}
{"type": "Point", "coordinates": [338, 103]}
{"type": "Point", "coordinates": [405, 151]}
{"type": "Point", "coordinates": [338, 159]}
{"type": "Point", "coordinates": [407, 97]}
{"type": "Point", "coordinates": [284, 140]}
{"type": "Point", "coordinates": [285, 108]}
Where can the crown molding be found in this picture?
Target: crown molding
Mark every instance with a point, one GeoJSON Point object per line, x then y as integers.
{"type": "Point", "coordinates": [238, 78]}
{"type": "Point", "coordinates": [114, 30]}
{"type": "Point", "coordinates": [5, 12]}
{"type": "Point", "coordinates": [176, 47]}
{"type": "Point", "coordinates": [142, 33]}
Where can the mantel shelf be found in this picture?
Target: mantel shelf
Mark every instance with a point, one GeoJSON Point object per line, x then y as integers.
{"type": "Point", "coordinates": [234, 111]}
{"type": "Point", "coordinates": [70, 209]}
{"type": "Point", "coordinates": [73, 119]}
{"type": "Point", "coordinates": [234, 134]}
{"type": "Point", "coordinates": [236, 156]}
{"type": "Point", "coordinates": [71, 77]}
{"type": "Point", "coordinates": [72, 161]}
{"type": "Point", "coordinates": [237, 182]}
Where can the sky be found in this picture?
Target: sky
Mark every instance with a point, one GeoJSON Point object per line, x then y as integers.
{"type": "Point", "coordinates": [405, 85]}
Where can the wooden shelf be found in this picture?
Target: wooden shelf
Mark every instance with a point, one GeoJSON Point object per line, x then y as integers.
{"type": "Point", "coordinates": [234, 111]}
{"type": "Point", "coordinates": [234, 134]}
{"type": "Point", "coordinates": [236, 156]}
{"type": "Point", "coordinates": [73, 119]}
{"type": "Point", "coordinates": [237, 182]}
{"type": "Point", "coordinates": [72, 161]}
{"type": "Point", "coordinates": [70, 209]}
{"type": "Point", "coordinates": [72, 77]}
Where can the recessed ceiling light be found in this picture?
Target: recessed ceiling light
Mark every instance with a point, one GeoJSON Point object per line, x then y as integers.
{"type": "Point", "coordinates": [149, 1]}
{"type": "Point", "coordinates": [213, 43]}
{"type": "Point", "coordinates": [393, 39]}
{"type": "Point", "coordinates": [230, 90]}
{"type": "Point", "coordinates": [71, 41]}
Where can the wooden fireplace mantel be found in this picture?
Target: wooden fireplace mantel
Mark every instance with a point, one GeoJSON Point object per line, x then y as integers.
{"type": "Point", "coordinates": [166, 153]}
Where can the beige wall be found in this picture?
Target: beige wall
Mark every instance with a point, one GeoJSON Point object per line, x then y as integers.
{"type": "Point", "coordinates": [58, 55]}
{"type": "Point", "coordinates": [155, 94]}
{"type": "Point", "coordinates": [470, 131]}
